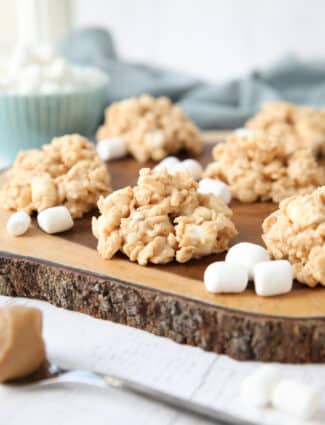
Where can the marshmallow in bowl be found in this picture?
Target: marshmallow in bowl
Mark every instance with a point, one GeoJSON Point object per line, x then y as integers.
{"type": "Point", "coordinates": [217, 187]}
{"type": "Point", "coordinates": [40, 70]}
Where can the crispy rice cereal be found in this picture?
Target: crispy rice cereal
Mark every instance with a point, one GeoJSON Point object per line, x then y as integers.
{"type": "Point", "coordinates": [66, 172]}
{"type": "Point", "coordinates": [297, 126]}
{"type": "Point", "coordinates": [296, 231]}
{"type": "Point", "coordinates": [257, 167]}
{"type": "Point", "coordinates": [151, 127]}
{"type": "Point", "coordinates": [161, 219]}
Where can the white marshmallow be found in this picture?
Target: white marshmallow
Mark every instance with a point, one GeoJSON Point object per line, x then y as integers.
{"type": "Point", "coordinates": [178, 168]}
{"type": "Point", "coordinates": [170, 162]}
{"type": "Point", "coordinates": [256, 389]}
{"type": "Point", "coordinates": [248, 255]}
{"type": "Point", "coordinates": [295, 398]}
{"type": "Point", "coordinates": [222, 277]}
{"type": "Point", "coordinates": [18, 223]}
{"type": "Point", "coordinates": [154, 139]}
{"type": "Point", "coordinates": [55, 220]}
{"type": "Point", "coordinates": [113, 148]}
{"type": "Point", "coordinates": [193, 167]}
{"type": "Point", "coordinates": [49, 88]}
{"type": "Point", "coordinates": [217, 187]}
{"type": "Point", "coordinates": [33, 69]}
{"type": "Point", "coordinates": [244, 132]}
{"type": "Point", "coordinates": [273, 278]}
{"type": "Point", "coordinates": [58, 71]}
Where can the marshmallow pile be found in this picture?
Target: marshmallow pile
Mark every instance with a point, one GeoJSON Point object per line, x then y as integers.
{"type": "Point", "coordinates": [51, 220]}
{"type": "Point", "coordinates": [247, 261]}
{"type": "Point", "coordinates": [265, 387]}
{"type": "Point", "coordinates": [40, 70]}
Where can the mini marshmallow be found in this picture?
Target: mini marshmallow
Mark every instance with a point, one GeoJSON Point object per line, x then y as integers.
{"type": "Point", "coordinates": [217, 187]}
{"type": "Point", "coordinates": [154, 139]}
{"type": "Point", "coordinates": [256, 389]}
{"type": "Point", "coordinates": [295, 398]}
{"type": "Point", "coordinates": [40, 70]}
{"type": "Point", "coordinates": [170, 162]}
{"type": "Point", "coordinates": [248, 255]}
{"type": "Point", "coordinates": [221, 277]}
{"type": "Point", "coordinates": [113, 148]}
{"type": "Point", "coordinates": [273, 277]}
{"type": "Point", "coordinates": [18, 223]}
{"type": "Point", "coordinates": [193, 167]}
{"type": "Point", "coordinates": [55, 220]}
{"type": "Point", "coordinates": [244, 132]}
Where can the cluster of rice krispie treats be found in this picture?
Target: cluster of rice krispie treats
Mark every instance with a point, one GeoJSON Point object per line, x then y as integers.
{"type": "Point", "coordinates": [296, 231]}
{"type": "Point", "coordinates": [161, 219]}
{"type": "Point", "coordinates": [257, 166]}
{"type": "Point", "coordinates": [151, 127]}
{"type": "Point", "coordinates": [65, 172]}
{"type": "Point", "coordinates": [296, 126]}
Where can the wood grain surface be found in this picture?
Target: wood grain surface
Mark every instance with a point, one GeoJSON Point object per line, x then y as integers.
{"type": "Point", "coordinates": [168, 300]}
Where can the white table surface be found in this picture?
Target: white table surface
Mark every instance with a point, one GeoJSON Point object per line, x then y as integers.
{"type": "Point", "coordinates": [78, 341]}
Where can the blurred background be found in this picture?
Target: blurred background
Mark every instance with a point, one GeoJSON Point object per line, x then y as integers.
{"type": "Point", "coordinates": [211, 39]}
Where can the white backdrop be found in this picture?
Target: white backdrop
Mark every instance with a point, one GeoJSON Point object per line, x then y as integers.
{"type": "Point", "coordinates": [210, 38]}
{"type": "Point", "coordinates": [215, 39]}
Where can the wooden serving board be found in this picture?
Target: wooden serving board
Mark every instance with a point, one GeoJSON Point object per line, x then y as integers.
{"type": "Point", "coordinates": [167, 300]}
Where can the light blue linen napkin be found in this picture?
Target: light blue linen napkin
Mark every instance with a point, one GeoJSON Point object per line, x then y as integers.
{"type": "Point", "coordinates": [211, 105]}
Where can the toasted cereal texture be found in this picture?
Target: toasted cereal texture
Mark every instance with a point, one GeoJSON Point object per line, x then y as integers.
{"type": "Point", "coordinates": [257, 167]}
{"type": "Point", "coordinates": [151, 127]}
{"type": "Point", "coordinates": [298, 127]}
{"type": "Point", "coordinates": [161, 219]}
{"type": "Point", "coordinates": [296, 232]}
{"type": "Point", "coordinates": [65, 172]}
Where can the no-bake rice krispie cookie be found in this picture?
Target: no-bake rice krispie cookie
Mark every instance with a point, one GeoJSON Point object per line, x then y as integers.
{"type": "Point", "coordinates": [296, 231]}
{"type": "Point", "coordinates": [65, 172]}
{"type": "Point", "coordinates": [161, 219]}
{"type": "Point", "coordinates": [296, 126]}
{"type": "Point", "coordinates": [257, 167]}
{"type": "Point", "coordinates": [151, 127]}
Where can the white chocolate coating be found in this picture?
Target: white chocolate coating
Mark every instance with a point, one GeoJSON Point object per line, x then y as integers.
{"type": "Point", "coordinates": [217, 187]}
{"type": "Point", "coordinates": [18, 223]}
{"type": "Point", "coordinates": [273, 278]}
{"type": "Point", "coordinates": [113, 148]}
{"type": "Point", "coordinates": [256, 389]}
{"type": "Point", "coordinates": [55, 220]}
{"type": "Point", "coordinates": [248, 255]}
{"type": "Point", "coordinates": [221, 277]}
{"type": "Point", "coordinates": [295, 398]}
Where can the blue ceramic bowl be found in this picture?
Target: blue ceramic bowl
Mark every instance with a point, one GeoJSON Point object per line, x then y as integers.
{"type": "Point", "coordinates": [30, 121]}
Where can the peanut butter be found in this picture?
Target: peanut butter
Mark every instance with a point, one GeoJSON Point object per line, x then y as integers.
{"type": "Point", "coordinates": [22, 349]}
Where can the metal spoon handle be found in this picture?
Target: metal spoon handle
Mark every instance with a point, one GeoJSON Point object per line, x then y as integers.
{"type": "Point", "coordinates": [178, 403]}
